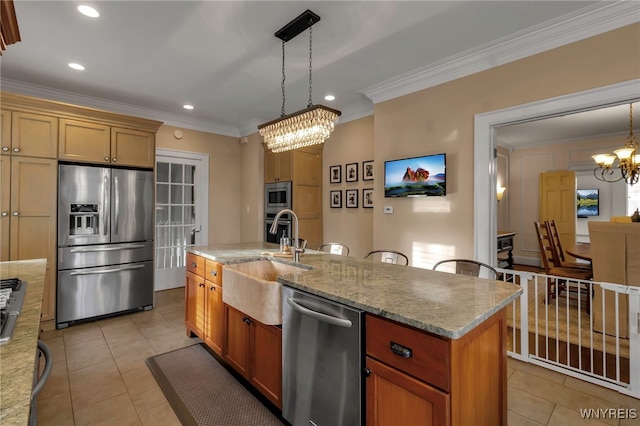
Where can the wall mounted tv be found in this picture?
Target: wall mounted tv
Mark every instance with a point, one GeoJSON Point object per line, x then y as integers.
{"type": "Point", "coordinates": [416, 177]}
{"type": "Point", "coordinates": [588, 202]}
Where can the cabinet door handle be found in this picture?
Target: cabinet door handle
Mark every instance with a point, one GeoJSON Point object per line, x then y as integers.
{"type": "Point", "coordinates": [194, 264]}
{"type": "Point", "coordinates": [114, 159]}
{"type": "Point", "coordinates": [212, 288]}
{"type": "Point", "coordinates": [106, 159]}
{"type": "Point", "coordinates": [4, 214]}
{"type": "Point", "coordinates": [5, 149]}
{"type": "Point", "coordinates": [367, 372]}
{"type": "Point", "coordinates": [214, 273]}
{"type": "Point", "coordinates": [15, 213]}
{"type": "Point", "coordinates": [201, 285]}
{"type": "Point", "coordinates": [400, 350]}
{"type": "Point", "coordinates": [16, 149]}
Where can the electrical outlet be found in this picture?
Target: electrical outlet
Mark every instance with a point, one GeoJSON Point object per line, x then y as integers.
{"type": "Point", "coordinates": [388, 209]}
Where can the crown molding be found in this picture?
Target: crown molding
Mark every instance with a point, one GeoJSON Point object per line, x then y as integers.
{"type": "Point", "coordinates": [117, 107]}
{"type": "Point", "coordinates": [587, 22]}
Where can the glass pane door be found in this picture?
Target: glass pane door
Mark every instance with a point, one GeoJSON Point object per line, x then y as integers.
{"type": "Point", "coordinates": [178, 223]}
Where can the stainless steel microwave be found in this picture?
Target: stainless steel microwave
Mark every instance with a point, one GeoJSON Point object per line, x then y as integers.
{"type": "Point", "coordinates": [277, 196]}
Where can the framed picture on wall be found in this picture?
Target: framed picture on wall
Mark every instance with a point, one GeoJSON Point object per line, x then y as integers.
{"type": "Point", "coordinates": [367, 198]}
{"type": "Point", "coordinates": [351, 172]}
{"type": "Point", "coordinates": [352, 198]}
{"type": "Point", "coordinates": [336, 199]}
{"type": "Point", "coordinates": [367, 170]}
{"type": "Point", "coordinates": [335, 174]}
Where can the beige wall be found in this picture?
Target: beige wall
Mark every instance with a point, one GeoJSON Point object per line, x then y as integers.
{"type": "Point", "coordinates": [351, 142]}
{"type": "Point", "coordinates": [225, 177]}
{"type": "Point", "coordinates": [252, 190]}
{"type": "Point", "coordinates": [440, 119]}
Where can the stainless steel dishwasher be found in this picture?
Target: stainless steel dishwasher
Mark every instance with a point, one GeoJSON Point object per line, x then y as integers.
{"type": "Point", "coordinates": [322, 345]}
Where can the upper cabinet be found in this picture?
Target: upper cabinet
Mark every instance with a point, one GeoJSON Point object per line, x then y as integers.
{"type": "Point", "coordinates": [91, 142]}
{"type": "Point", "coordinates": [41, 128]}
{"type": "Point", "coordinates": [278, 167]}
{"type": "Point", "coordinates": [27, 134]}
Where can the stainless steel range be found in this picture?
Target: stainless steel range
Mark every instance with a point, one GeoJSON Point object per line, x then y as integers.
{"type": "Point", "coordinates": [12, 291]}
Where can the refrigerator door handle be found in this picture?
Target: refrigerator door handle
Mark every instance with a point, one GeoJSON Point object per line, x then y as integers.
{"type": "Point", "coordinates": [105, 203]}
{"type": "Point", "coordinates": [108, 271]}
{"type": "Point", "coordinates": [116, 215]}
{"type": "Point", "coordinates": [98, 249]}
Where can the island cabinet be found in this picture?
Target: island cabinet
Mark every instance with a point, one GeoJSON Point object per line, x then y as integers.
{"type": "Point", "coordinates": [204, 313]}
{"type": "Point", "coordinates": [94, 142]}
{"type": "Point", "coordinates": [418, 378]}
{"type": "Point", "coordinates": [254, 350]}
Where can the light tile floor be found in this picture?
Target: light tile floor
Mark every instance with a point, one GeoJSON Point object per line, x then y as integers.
{"type": "Point", "coordinates": [99, 377]}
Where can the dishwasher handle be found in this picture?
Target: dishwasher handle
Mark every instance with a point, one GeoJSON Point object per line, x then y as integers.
{"type": "Point", "coordinates": [340, 322]}
{"type": "Point", "coordinates": [43, 348]}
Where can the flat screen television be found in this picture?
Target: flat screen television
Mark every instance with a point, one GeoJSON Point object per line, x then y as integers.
{"type": "Point", "coordinates": [588, 202]}
{"type": "Point", "coordinates": [416, 177]}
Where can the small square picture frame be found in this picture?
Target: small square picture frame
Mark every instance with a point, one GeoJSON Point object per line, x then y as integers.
{"type": "Point", "coordinates": [367, 170]}
{"type": "Point", "coordinates": [367, 198]}
{"type": "Point", "coordinates": [335, 174]}
{"type": "Point", "coordinates": [351, 198]}
{"type": "Point", "coordinates": [351, 172]}
{"type": "Point", "coordinates": [335, 199]}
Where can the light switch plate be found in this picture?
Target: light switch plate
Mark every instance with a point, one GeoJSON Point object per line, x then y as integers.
{"type": "Point", "coordinates": [388, 209]}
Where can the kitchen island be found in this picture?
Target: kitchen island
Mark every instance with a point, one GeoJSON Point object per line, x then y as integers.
{"type": "Point", "coordinates": [17, 357]}
{"type": "Point", "coordinates": [460, 318]}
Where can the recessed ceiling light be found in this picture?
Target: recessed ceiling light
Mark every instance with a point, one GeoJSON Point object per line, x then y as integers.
{"type": "Point", "coordinates": [187, 106]}
{"type": "Point", "coordinates": [75, 66]}
{"type": "Point", "coordinates": [88, 11]}
{"type": "Point", "coordinates": [329, 98]}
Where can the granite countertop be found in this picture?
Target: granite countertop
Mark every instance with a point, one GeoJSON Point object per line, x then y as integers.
{"type": "Point", "coordinates": [18, 356]}
{"type": "Point", "coordinates": [442, 303]}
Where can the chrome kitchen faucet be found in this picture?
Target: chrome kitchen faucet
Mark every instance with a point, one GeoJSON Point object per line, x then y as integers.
{"type": "Point", "coordinates": [274, 228]}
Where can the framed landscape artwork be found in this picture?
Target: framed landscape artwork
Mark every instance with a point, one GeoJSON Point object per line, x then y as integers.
{"type": "Point", "coordinates": [351, 196]}
{"type": "Point", "coordinates": [336, 198]}
{"type": "Point", "coordinates": [335, 175]}
{"type": "Point", "coordinates": [367, 170]}
{"type": "Point", "coordinates": [367, 198]}
{"type": "Point", "coordinates": [351, 172]}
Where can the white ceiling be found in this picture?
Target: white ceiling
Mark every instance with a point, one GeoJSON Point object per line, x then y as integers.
{"type": "Point", "coordinates": [148, 58]}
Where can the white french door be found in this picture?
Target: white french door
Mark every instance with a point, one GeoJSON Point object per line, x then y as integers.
{"type": "Point", "coordinates": [181, 211]}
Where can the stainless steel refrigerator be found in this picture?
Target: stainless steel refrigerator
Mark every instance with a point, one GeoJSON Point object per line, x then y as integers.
{"type": "Point", "coordinates": [105, 242]}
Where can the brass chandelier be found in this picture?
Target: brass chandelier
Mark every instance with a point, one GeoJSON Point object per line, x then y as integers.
{"type": "Point", "coordinates": [310, 126]}
{"type": "Point", "coordinates": [628, 160]}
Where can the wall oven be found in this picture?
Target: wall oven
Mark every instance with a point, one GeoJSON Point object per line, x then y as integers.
{"type": "Point", "coordinates": [277, 196]}
{"type": "Point", "coordinates": [283, 225]}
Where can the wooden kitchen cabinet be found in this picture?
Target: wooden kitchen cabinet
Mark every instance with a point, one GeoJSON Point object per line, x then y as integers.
{"type": "Point", "coordinates": [303, 167]}
{"type": "Point", "coordinates": [254, 350]}
{"type": "Point", "coordinates": [389, 388]}
{"type": "Point", "coordinates": [91, 142]}
{"type": "Point", "coordinates": [28, 217]}
{"type": "Point", "coordinates": [28, 134]}
{"type": "Point", "coordinates": [443, 381]}
{"type": "Point", "coordinates": [277, 166]}
{"type": "Point", "coordinates": [195, 305]}
{"type": "Point", "coordinates": [204, 313]}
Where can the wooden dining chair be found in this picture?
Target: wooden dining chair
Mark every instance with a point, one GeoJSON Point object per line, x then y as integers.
{"type": "Point", "coordinates": [388, 256]}
{"type": "Point", "coordinates": [558, 252]}
{"type": "Point", "coordinates": [468, 267]}
{"type": "Point", "coordinates": [555, 286]}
